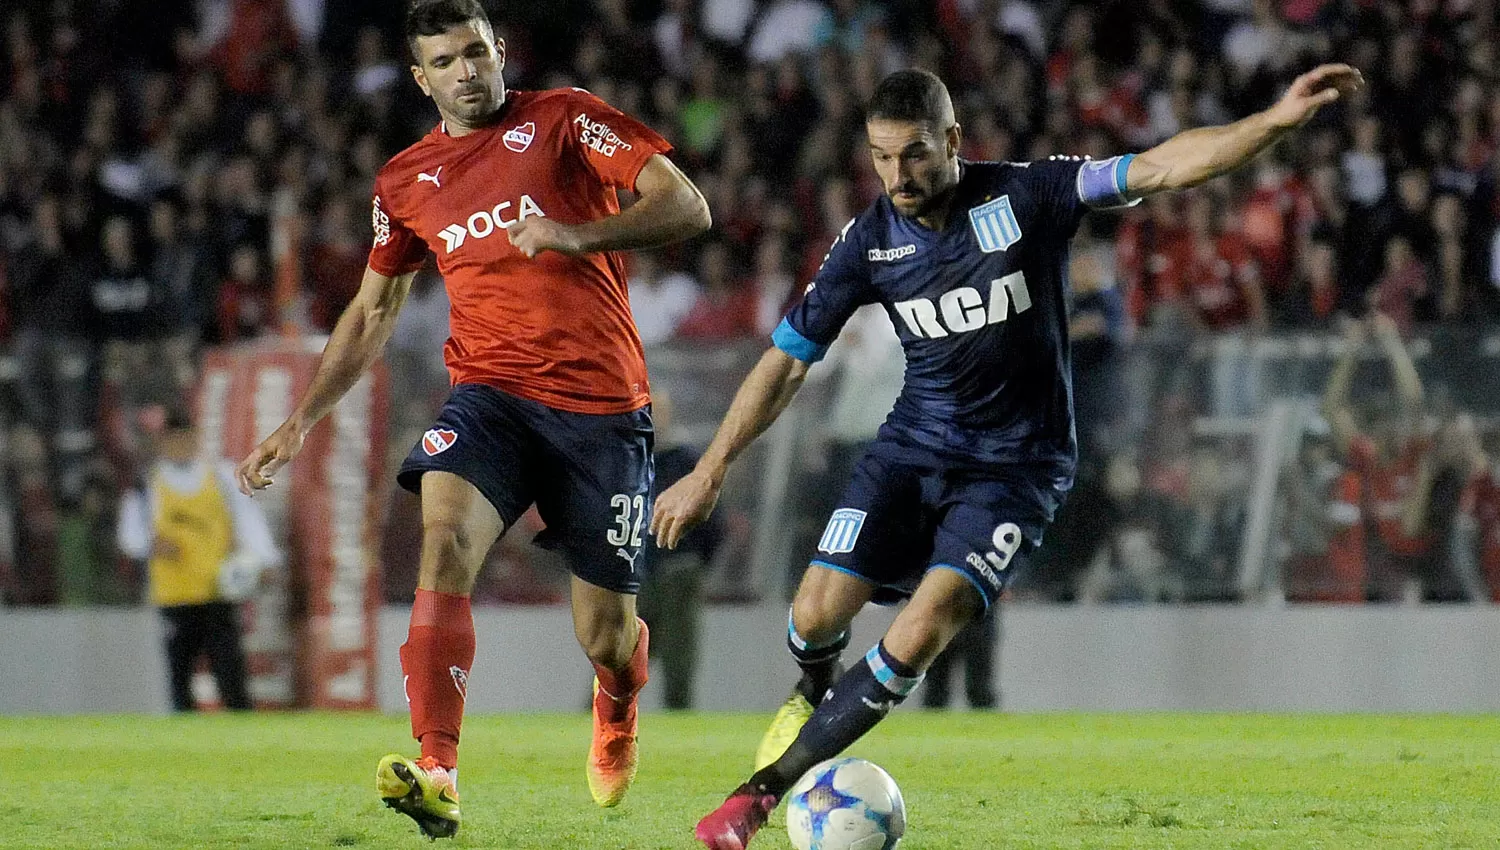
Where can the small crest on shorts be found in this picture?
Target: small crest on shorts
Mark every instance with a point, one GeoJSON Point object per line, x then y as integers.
{"type": "Point", "coordinates": [438, 440]}
{"type": "Point", "coordinates": [842, 531]}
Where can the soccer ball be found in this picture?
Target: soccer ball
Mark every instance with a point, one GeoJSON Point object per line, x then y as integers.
{"type": "Point", "coordinates": [845, 804]}
{"type": "Point", "coordinates": [239, 576]}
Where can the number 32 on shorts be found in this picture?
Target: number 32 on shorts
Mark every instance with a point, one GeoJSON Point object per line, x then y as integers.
{"type": "Point", "coordinates": [630, 513]}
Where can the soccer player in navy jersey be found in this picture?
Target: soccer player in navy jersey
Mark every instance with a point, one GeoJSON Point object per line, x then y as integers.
{"type": "Point", "coordinates": [970, 260]}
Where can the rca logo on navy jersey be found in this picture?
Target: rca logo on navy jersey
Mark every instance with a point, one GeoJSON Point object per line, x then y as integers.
{"type": "Point", "coordinates": [438, 440]}
{"type": "Point", "coordinates": [483, 223]}
{"type": "Point", "coordinates": [842, 531]}
{"type": "Point", "coordinates": [963, 309]}
{"type": "Point", "coordinates": [519, 138]}
{"type": "Point", "coordinates": [890, 255]}
{"type": "Point", "coordinates": [995, 225]}
{"type": "Point", "coordinates": [597, 135]}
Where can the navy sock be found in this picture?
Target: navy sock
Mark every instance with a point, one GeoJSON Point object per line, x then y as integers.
{"type": "Point", "coordinates": [819, 662]}
{"type": "Point", "coordinates": [861, 698]}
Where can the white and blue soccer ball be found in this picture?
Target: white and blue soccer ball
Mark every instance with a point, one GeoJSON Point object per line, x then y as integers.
{"type": "Point", "coordinates": [845, 804]}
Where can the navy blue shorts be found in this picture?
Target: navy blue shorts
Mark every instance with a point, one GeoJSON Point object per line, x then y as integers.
{"type": "Point", "coordinates": [588, 474]}
{"type": "Point", "coordinates": [896, 521]}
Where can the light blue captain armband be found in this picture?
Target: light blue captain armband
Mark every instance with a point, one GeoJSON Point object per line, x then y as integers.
{"type": "Point", "coordinates": [786, 338]}
{"type": "Point", "coordinates": [1101, 183]}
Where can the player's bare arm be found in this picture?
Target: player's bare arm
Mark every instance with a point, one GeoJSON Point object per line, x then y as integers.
{"type": "Point", "coordinates": [761, 398]}
{"type": "Point", "coordinates": [669, 209]}
{"type": "Point", "coordinates": [362, 331]}
{"type": "Point", "coordinates": [1197, 156]}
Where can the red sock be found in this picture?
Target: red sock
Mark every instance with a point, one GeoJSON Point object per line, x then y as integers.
{"type": "Point", "coordinates": [617, 688]}
{"type": "Point", "coordinates": [436, 658]}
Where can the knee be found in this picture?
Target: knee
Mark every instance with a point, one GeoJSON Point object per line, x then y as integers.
{"type": "Point", "coordinates": [448, 553]}
{"type": "Point", "coordinates": [816, 620]}
{"type": "Point", "coordinates": [608, 638]}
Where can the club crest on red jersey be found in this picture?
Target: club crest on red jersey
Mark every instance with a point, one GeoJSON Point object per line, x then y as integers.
{"type": "Point", "coordinates": [438, 440]}
{"type": "Point", "coordinates": [519, 138]}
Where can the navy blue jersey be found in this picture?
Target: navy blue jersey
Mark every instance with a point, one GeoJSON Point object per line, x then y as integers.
{"type": "Point", "coordinates": [981, 309]}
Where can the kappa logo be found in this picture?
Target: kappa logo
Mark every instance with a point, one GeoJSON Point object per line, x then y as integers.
{"type": "Point", "coordinates": [431, 178]}
{"type": "Point", "coordinates": [519, 138]}
{"type": "Point", "coordinates": [438, 440]}
{"type": "Point", "coordinates": [460, 680]}
{"type": "Point", "coordinates": [890, 255]}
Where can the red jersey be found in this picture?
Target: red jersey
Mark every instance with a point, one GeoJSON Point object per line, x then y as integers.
{"type": "Point", "coordinates": [554, 329]}
{"type": "Point", "coordinates": [1387, 486]}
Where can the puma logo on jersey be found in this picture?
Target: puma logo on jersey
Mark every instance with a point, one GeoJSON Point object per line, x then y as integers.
{"type": "Point", "coordinates": [431, 178]}
{"type": "Point", "coordinates": [485, 222]}
{"type": "Point", "coordinates": [629, 557]}
{"type": "Point", "coordinates": [963, 309]}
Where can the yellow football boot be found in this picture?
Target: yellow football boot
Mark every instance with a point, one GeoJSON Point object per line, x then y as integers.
{"type": "Point", "coordinates": [789, 720]}
{"type": "Point", "coordinates": [422, 791]}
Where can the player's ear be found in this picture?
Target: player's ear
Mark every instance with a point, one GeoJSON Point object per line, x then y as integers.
{"type": "Point", "coordinates": [955, 138]}
{"type": "Point", "coordinates": [500, 52]}
{"type": "Point", "coordinates": [421, 77]}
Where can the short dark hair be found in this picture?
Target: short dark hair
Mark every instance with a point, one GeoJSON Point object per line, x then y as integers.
{"type": "Point", "coordinates": [435, 17]}
{"type": "Point", "coordinates": [911, 95]}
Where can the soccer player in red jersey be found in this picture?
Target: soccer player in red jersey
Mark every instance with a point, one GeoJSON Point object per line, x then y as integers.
{"type": "Point", "coordinates": [515, 192]}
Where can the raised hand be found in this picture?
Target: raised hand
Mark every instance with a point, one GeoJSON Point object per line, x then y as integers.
{"type": "Point", "coordinates": [1314, 90]}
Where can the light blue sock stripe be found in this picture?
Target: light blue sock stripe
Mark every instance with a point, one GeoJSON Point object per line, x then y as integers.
{"type": "Point", "coordinates": [797, 641]}
{"type": "Point", "coordinates": [888, 678]}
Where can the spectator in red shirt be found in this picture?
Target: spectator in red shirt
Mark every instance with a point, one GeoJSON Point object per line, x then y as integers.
{"type": "Point", "coordinates": [726, 306]}
{"type": "Point", "coordinates": [1222, 277]}
{"type": "Point", "coordinates": [1402, 286]}
{"type": "Point", "coordinates": [245, 297]}
{"type": "Point", "coordinates": [1387, 451]}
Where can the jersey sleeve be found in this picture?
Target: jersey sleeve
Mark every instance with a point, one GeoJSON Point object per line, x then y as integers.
{"type": "Point", "coordinates": [613, 145]}
{"type": "Point", "coordinates": [1068, 187]}
{"type": "Point", "coordinates": [396, 249]}
{"type": "Point", "coordinates": [841, 286]}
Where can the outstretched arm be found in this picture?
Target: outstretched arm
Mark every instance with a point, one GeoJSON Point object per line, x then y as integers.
{"type": "Point", "coordinates": [765, 393]}
{"type": "Point", "coordinates": [1403, 368]}
{"type": "Point", "coordinates": [1197, 156]}
{"type": "Point", "coordinates": [362, 331]}
{"type": "Point", "coordinates": [1336, 394]}
{"type": "Point", "coordinates": [670, 209]}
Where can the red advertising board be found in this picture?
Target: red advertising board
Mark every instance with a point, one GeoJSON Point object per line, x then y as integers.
{"type": "Point", "coordinates": [310, 632]}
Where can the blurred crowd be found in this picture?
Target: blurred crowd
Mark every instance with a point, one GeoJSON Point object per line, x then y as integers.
{"type": "Point", "coordinates": [176, 174]}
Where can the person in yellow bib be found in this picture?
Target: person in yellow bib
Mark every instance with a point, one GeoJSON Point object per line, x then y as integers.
{"type": "Point", "coordinates": [205, 545]}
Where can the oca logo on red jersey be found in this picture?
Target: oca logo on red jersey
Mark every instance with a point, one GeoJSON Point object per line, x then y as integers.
{"type": "Point", "coordinates": [438, 440]}
{"type": "Point", "coordinates": [519, 138]}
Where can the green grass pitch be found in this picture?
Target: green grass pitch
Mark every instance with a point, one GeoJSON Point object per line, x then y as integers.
{"type": "Point", "coordinates": [971, 781]}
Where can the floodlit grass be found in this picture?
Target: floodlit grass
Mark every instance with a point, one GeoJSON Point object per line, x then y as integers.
{"type": "Point", "coordinates": [971, 781]}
